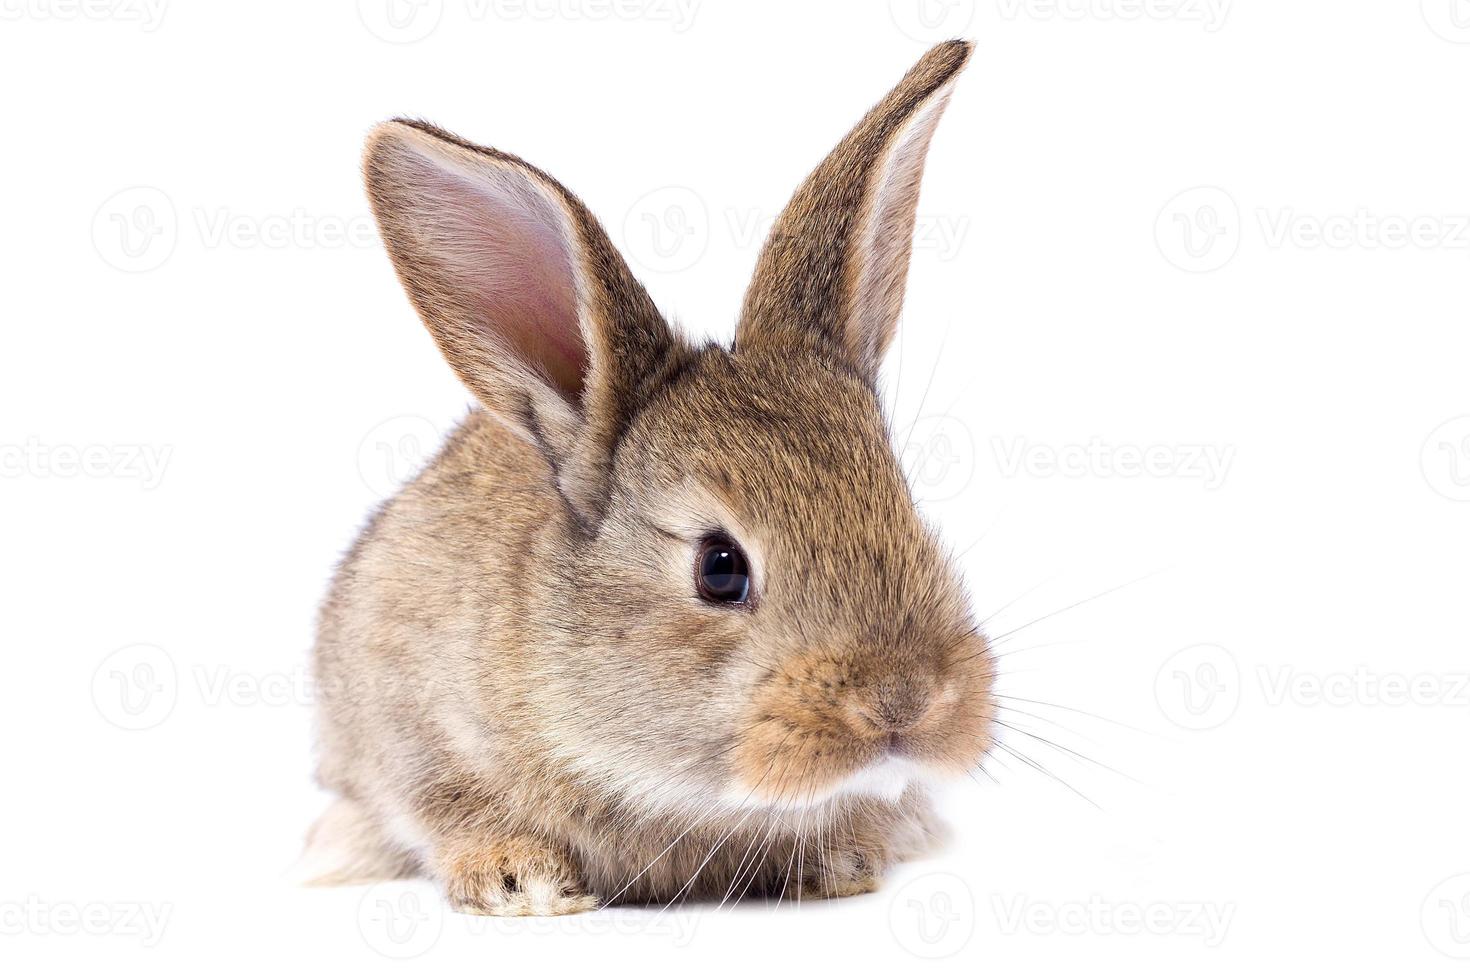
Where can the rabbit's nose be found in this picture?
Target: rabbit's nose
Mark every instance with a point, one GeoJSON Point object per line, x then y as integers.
{"type": "Point", "coordinates": [895, 705]}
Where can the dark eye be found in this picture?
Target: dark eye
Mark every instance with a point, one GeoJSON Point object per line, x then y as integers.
{"type": "Point", "coordinates": [721, 572]}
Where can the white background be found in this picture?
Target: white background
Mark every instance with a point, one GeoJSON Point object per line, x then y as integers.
{"type": "Point", "coordinates": [1228, 239]}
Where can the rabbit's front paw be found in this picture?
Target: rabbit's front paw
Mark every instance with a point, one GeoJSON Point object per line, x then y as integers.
{"type": "Point", "coordinates": [517, 875]}
{"type": "Point", "coordinates": [841, 875]}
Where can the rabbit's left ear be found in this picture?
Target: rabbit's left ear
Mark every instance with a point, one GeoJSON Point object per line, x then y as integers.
{"type": "Point", "coordinates": [832, 273]}
{"type": "Point", "coordinates": [525, 295]}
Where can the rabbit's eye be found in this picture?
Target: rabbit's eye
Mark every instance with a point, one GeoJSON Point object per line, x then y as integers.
{"type": "Point", "coordinates": [721, 572]}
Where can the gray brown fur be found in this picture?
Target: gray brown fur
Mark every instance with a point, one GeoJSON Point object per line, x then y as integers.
{"type": "Point", "coordinates": [521, 693]}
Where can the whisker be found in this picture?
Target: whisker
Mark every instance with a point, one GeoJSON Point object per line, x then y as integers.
{"type": "Point", "coordinates": [1044, 771]}
{"type": "Point", "coordinates": [924, 398]}
{"type": "Point", "coordinates": [1044, 582]}
{"type": "Point", "coordinates": [1048, 721]}
{"type": "Point", "coordinates": [1068, 608]}
{"type": "Point", "coordinates": [1078, 711]}
{"type": "Point", "coordinates": [704, 811]}
{"type": "Point", "coordinates": [1063, 748]}
{"type": "Point", "coordinates": [969, 547]}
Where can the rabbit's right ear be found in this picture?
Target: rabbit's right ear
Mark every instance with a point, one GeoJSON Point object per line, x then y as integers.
{"type": "Point", "coordinates": [832, 272]}
{"type": "Point", "coordinates": [523, 292]}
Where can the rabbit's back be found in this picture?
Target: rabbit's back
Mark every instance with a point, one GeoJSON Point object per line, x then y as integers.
{"type": "Point", "coordinates": [425, 612]}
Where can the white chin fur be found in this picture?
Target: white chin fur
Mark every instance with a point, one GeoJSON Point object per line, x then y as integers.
{"type": "Point", "coordinates": [885, 779]}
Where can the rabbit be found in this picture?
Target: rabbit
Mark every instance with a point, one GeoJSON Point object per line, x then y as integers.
{"type": "Point", "coordinates": [660, 621]}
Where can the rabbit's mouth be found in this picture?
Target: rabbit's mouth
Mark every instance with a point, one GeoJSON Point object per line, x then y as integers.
{"type": "Point", "coordinates": [822, 728]}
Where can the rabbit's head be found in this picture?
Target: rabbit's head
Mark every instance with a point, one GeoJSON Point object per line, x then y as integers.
{"type": "Point", "coordinates": [739, 605]}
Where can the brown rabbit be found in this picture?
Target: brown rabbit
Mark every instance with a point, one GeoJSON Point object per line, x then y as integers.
{"type": "Point", "coordinates": [660, 620]}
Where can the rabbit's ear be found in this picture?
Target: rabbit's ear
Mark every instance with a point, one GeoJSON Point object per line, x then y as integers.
{"type": "Point", "coordinates": [832, 271]}
{"type": "Point", "coordinates": [532, 306]}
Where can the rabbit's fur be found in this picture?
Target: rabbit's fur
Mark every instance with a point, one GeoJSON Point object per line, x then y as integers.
{"type": "Point", "coordinates": [521, 692]}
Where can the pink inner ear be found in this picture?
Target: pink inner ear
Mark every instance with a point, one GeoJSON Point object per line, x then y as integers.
{"type": "Point", "coordinates": [504, 248]}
